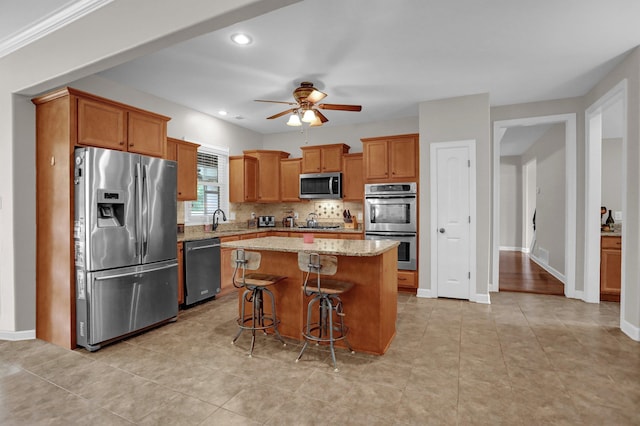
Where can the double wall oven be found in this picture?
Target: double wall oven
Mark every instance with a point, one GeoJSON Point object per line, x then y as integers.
{"type": "Point", "coordinates": [390, 214]}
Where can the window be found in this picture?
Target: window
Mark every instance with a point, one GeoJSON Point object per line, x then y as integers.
{"type": "Point", "coordinates": [213, 190]}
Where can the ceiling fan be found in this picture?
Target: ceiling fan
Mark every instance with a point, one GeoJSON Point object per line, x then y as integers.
{"type": "Point", "coordinates": [306, 107]}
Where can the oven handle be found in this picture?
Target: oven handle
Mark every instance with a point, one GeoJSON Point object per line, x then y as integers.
{"type": "Point", "coordinates": [390, 234]}
{"type": "Point", "coordinates": [384, 197]}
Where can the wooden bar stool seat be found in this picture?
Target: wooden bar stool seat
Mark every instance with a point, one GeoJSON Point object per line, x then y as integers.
{"type": "Point", "coordinates": [326, 295]}
{"type": "Point", "coordinates": [256, 286]}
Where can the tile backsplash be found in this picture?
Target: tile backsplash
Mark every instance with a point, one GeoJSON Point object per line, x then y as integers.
{"type": "Point", "coordinates": [328, 211]}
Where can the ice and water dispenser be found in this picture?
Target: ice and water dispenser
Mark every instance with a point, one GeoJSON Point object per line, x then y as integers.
{"type": "Point", "coordinates": [110, 208]}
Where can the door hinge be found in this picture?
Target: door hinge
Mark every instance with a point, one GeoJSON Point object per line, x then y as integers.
{"type": "Point", "coordinates": [469, 275]}
{"type": "Point", "coordinates": [468, 163]}
{"type": "Point", "coordinates": [469, 219]}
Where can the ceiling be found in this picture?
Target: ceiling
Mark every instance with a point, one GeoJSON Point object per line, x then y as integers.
{"type": "Point", "coordinates": [386, 56]}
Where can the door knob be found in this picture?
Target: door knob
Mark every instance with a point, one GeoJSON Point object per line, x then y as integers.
{"type": "Point", "coordinates": [441, 230]}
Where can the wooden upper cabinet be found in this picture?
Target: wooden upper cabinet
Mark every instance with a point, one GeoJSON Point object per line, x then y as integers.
{"type": "Point", "coordinates": [186, 155]}
{"type": "Point", "coordinates": [391, 158]}
{"type": "Point", "coordinates": [352, 177]}
{"type": "Point", "coordinates": [243, 179]}
{"type": "Point", "coordinates": [323, 158]}
{"type": "Point", "coordinates": [147, 134]}
{"type": "Point", "coordinates": [290, 179]}
{"type": "Point", "coordinates": [101, 125]}
{"type": "Point", "coordinates": [108, 124]}
{"type": "Point", "coordinates": [268, 173]}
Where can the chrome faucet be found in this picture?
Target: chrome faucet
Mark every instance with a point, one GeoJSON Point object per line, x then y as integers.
{"type": "Point", "coordinates": [214, 218]}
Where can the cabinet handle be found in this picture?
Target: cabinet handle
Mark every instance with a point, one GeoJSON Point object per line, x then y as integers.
{"type": "Point", "coordinates": [402, 279]}
{"type": "Point", "coordinates": [130, 144]}
{"type": "Point", "coordinates": [122, 143]}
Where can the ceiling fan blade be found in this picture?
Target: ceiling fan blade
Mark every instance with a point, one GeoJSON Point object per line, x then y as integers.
{"type": "Point", "coordinates": [316, 96]}
{"type": "Point", "coordinates": [340, 107]}
{"type": "Point", "coordinates": [275, 102]}
{"type": "Point", "coordinates": [280, 114]}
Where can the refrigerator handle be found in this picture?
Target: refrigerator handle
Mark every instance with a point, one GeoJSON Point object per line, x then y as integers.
{"type": "Point", "coordinates": [138, 210]}
{"type": "Point", "coordinates": [145, 209]}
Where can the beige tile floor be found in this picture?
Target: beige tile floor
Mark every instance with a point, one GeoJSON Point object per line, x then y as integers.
{"type": "Point", "coordinates": [523, 360]}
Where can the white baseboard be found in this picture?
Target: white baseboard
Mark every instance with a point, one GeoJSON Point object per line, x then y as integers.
{"type": "Point", "coordinates": [520, 249]}
{"type": "Point", "coordinates": [630, 330]}
{"type": "Point", "coordinates": [425, 292]}
{"type": "Point", "coordinates": [18, 335]}
{"type": "Point", "coordinates": [483, 298]}
{"type": "Point", "coordinates": [548, 268]}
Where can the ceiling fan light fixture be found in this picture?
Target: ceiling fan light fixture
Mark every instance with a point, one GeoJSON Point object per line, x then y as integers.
{"type": "Point", "coordinates": [316, 121]}
{"type": "Point", "coordinates": [309, 116]}
{"type": "Point", "coordinates": [294, 120]}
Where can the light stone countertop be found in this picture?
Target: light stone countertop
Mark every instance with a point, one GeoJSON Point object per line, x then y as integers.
{"type": "Point", "coordinates": [320, 245]}
{"type": "Point", "coordinates": [193, 233]}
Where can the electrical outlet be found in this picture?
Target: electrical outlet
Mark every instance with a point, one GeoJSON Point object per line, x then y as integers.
{"type": "Point", "coordinates": [232, 215]}
{"type": "Point", "coordinates": [295, 215]}
{"type": "Point", "coordinates": [617, 215]}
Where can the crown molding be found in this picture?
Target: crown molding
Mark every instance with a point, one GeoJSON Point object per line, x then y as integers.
{"type": "Point", "coordinates": [49, 24]}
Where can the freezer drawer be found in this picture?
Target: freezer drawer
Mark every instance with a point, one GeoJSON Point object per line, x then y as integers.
{"type": "Point", "coordinates": [114, 303]}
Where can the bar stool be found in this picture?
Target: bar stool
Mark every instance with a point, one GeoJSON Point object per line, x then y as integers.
{"type": "Point", "coordinates": [255, 285]}
{"type": "Point", "coordinates": [326, 294]}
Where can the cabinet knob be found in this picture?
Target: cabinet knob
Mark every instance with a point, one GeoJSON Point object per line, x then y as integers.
{"type": "Point", "coordinates": [130, 144]}
{"type": "Point", "coordinates": [122, 143]}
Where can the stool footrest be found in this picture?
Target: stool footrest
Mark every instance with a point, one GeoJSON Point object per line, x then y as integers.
{"type": "Point", "coordinates": [269, 323]}
{"type": "Point", "coordinates": [339, 333]}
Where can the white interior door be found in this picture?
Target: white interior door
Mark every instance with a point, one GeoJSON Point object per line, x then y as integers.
{"type": "Point", "coordinates": [453, 219]}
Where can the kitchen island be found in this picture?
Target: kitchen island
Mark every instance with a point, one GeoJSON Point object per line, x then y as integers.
{"type": "Point", "coordinates": [370, 306]}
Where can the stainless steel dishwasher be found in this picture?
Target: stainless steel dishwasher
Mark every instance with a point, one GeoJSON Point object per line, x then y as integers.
{"type": "Point", "coordinates": [201, 270]}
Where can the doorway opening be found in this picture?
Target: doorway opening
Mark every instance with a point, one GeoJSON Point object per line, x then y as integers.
{"type": "Point", "coordinates": [567, 221]}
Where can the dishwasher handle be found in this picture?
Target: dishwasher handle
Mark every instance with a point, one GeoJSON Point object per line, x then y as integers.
{"type": "Point", "coordinates": [203, 247]}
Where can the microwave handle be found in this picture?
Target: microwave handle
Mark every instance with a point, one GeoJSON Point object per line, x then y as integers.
{"type": "Point", "coordinates": [331, 185]}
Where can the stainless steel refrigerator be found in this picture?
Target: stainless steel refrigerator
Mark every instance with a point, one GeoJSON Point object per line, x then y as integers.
{"type": "Point", "coordinates": [125, 244]}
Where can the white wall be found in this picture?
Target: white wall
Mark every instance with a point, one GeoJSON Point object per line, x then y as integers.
{"type": "Point", "coordinates": [291, 140]}
{"type": "Point", "coordinates": [511, 202]}
{"type": "Point", "coordinates": [79, 49]}
{"type": "Point", "coordinates": [628, 70]}
{"type": "Point", "coordinates": [549, 153]}
{"type": "Point", "coordinates": [455, 119]}
{"type": "Point", "coordinates": [612, 175]}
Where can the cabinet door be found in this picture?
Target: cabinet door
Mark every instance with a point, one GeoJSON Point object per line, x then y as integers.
{"type": "Point", "coordinates": [147, 134]}
{"type": "Point", "coordinates": [331, 159]}
{"type": "Point", "coordinates": [407, 279]}
{"type": "Point", "coordinates": [226, 270]}
{"type": "Point", "coordinates": [269, 177]}
{"type": "Point", "coordinates": [101, 125]}
{"type": "Point", "coordinates": [180, 273]}
{"type": "Point", "coordinates": [187, 157]}
{"type": "Point", "coordinates": [243, 179]}
{"type": "Point", "coordinates": [311, 160]}
{"type": "Point", "coordinates": [403, 158]}
{"type": "Point", "coordinates": [352, 178]}
{"type": "Point", "coordinates": [376, 160]}
{"type": "Point", "coordinates": [290, 180]}
{"type": "Point", "coordinates": [610, 269]}
{"type": "Point", "coordinates": [351, 237]}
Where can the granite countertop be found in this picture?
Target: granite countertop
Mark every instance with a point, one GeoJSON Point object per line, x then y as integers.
{"type": "Point", "coordinates": [617, 233]}
{"type": "Point", "coordinates": [197, 233]}
{"type": "Point", "coordinates": [320, 245]}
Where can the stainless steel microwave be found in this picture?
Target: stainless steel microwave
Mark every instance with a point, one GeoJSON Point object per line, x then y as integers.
{"type": "Point", "coordinates": [321, 185]}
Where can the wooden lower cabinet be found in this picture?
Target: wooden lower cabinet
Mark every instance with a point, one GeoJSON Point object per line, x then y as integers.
{"type": "Point", "coordinates": [352, 236]}
{"type": "Point", "coordinates": [610, 268]}
{"type": "Point", "coordinates": [226, 271]}
{"type": "Point", "coordinates": [407, 280]}
{"type": "Point", "coordinates": [180, 274]}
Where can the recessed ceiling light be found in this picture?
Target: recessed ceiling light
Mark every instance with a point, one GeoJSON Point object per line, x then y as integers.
{"type": "Point", "coordinates": [222, 112]}
{"type": "Point", "coordinates": [241, 39]}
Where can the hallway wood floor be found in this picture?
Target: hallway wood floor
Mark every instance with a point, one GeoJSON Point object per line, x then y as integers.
{"type": "Point", "coordinates": [521, 274]}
